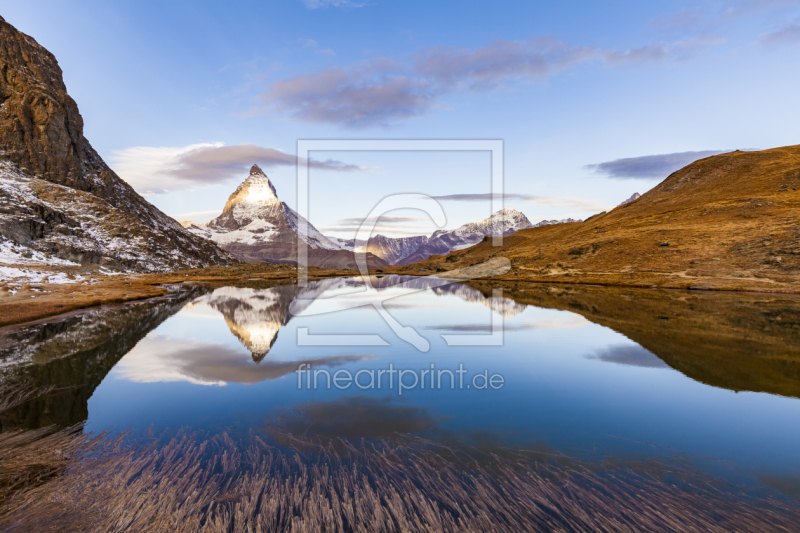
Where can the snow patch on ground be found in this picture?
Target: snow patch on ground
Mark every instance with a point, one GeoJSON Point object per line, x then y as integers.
{"type": "Point", "coordinates": [22, 276]}
{"type": "Point", "coordinates": [14, 254]}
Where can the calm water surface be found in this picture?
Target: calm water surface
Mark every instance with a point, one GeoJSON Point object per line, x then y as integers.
{"type": "Point", "coordinates": [712, 381]}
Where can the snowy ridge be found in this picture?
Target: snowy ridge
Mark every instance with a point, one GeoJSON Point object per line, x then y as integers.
{"type": "Point", "coordinates": [255, 216]}
{"type": "Point", "coordinates": [15, 254]}
{"type": "Point", "coordinates": [551, 222]}
{"type": "Point", "coordinates": [313, 237]}
{"type": "Point", "coordinates": [442, 242]}
{"type": "Point", "coordinates": [634, 196]}
{"type": "Point", "coordinates": [504, 222]}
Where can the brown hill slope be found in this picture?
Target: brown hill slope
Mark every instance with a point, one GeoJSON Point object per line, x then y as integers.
{"type": "Point", "coordinates": [730, 221]}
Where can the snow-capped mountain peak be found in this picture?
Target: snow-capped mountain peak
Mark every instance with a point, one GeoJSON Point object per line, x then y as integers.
{"type": "Point", "coordinates": [503, 222]}
{"type": "Point", "coordinates": [256, 225]}
{"type": "Point", "coordinates": [254, 192]}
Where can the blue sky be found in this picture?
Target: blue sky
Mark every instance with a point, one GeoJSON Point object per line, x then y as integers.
{"type": "Point", "coordinates": [170, 90]}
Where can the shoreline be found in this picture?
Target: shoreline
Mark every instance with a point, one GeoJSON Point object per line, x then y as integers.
{"type": "Point", "coordinates": [57, 300]}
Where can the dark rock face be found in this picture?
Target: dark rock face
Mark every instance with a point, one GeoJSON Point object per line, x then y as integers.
{"type": "Point", "coordinates": [41, 140]}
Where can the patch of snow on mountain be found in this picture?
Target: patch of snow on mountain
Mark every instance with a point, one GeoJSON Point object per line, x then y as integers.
{"type": "Point", "coordinates": [506, 221]}
{"type": "Point", "coordinates": [634, 196]}
{"type": "Point", "coordinates": [313, 237]}
{"type": "Point", "coordinates": [551, 222]}
{"type": "Point", "coordinates": [14, 254]}
{"type": "Point", "coordinates": [19, 275]}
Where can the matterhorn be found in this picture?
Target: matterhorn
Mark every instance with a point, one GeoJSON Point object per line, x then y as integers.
{"type": "Point", "coordinates": [255, 225]}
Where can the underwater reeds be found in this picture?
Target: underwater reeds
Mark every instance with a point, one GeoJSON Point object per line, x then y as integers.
{"type": "Point", "coordinates": [193, 482]}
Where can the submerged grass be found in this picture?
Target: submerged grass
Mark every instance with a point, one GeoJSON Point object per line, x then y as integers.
{"type": "Point", "coordinates": [14, 392]}
{"type": "Point", "coordinates": [67, 481]}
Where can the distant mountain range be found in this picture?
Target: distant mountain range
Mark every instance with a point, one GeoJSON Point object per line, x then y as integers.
{"type": "Point", "coordinates": [255, 225]}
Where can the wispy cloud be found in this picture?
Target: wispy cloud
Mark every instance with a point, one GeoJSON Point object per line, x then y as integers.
{"type": "Point", "coordinates": [382, 91]}
{"type": "Point", "coordinates": [649, 166]}
{"type": "Point", "coordinates": [153, 170]}
{"type": "Point", "coordinates": [372, 93]}
{"type": "Point", "coordinates": [384, 224]}
{"type": "Point", "coordinates": [553, 323]}
{"type": "Point", "coordinates": [705, 18]}
{"type": "Point", "coordinates": [498, 63]}
{"type": "Point", "coordinates": [311, 44]}
{"type": "Point", "coordinates": [383, 220]}
{"type": "Point", "coordinates": [569, 202]}
{"type": "Point", "coordinates": [316, 4]}
{"type": "Point", "coordinates": [788, 34]}
{"type": "Point", "coordinates": [197, 217]}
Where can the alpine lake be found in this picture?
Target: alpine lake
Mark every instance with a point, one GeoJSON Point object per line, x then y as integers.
{"type": "Point", "coordinates": [630, 377]}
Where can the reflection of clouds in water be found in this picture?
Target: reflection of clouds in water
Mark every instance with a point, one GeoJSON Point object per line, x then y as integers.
{"type": "Point", "coordinates": [629, 354]}
{"type": "Point", "coordinates": [391, 304]}
{"type": "Point", "coordinates": [191, 310]}
{"type": "Point", "coordinates": [162, 359]}
{"type": "Point", "coordinates": [574, 321]}
{"type": "Point", "coordinates": [355, 418]}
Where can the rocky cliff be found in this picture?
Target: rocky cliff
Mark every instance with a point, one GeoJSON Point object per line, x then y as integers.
{"type": "Point", "coordinates": [57, 196]}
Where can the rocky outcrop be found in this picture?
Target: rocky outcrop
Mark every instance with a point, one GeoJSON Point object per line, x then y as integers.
{"type": "Point", "coordinates": [57, 195]}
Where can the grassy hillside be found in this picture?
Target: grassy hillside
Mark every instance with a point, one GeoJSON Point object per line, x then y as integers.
{"type": "Point", "coordinates": [730, 221]}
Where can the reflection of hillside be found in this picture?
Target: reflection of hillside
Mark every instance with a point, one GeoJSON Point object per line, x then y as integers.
{"type": "Point", "coordinates": [73, 355]}
{"type": "Point", "coordinates": [738, 341]}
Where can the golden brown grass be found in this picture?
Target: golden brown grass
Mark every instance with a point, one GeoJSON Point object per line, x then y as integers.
{"type": "Point", "coordinates": [29, 305]}
{"type": "Point", "coordinates": [728, 222]}
{"type": "Point", "coordinates": [65, 481]}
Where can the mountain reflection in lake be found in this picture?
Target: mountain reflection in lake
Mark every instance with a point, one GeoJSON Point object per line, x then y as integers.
{"type": "Point", "coordinates": [592, 372]}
